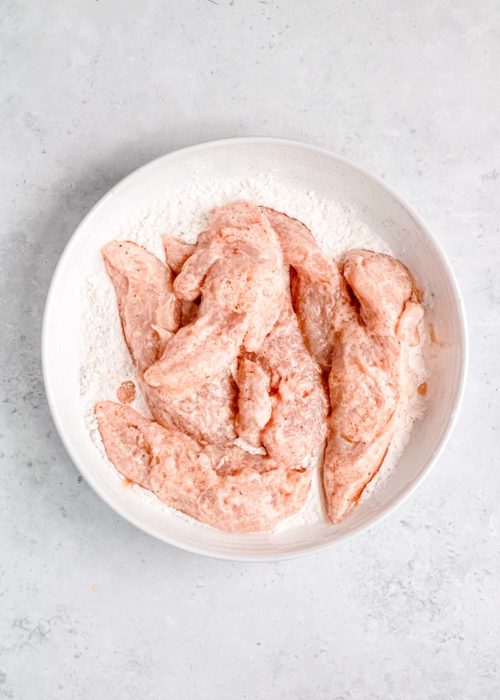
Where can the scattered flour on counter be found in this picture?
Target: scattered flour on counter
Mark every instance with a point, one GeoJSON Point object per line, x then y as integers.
{"type": "Point", "coordinates": [105, 362]}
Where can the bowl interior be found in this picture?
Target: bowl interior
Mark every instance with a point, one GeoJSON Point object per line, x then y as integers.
{"type": "Point", "coordinates": [302, 166]}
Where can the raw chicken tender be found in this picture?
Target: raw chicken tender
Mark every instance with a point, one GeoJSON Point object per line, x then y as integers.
{"type": "Point", "coordinates": [150, 313]}
{"type": "Point", "coordinates": [296, 406]}
{"type": "Point", "coordinates": [237, 269]}
{"type": "Point", "coordinates": [369, 378]}
{"type": "Point", "coordinates": [282, 403]}
{"type": "Point", "coordinates": [315, 287]}
{"type": "Point", "coordinates": [254, 402]}
{"type": "Point", "coordinates": [379, 282]}
{"type": "Point", "coordinates": [177, 252]}
{"type": "Point", "coordinates": [227, 489]}
{"type": "Point", "coordinates": [297, 427]}
{"type": "Point", "coordinates": [207, 413]}
{"type": "Point", "coordinates": [198, 353]}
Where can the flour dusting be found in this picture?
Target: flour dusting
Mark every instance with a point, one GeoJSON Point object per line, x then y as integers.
{"type": "Point", "coordinates": [105, 362]}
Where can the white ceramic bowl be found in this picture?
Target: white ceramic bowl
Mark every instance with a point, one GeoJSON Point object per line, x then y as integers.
{"type": "Point", "coordinates": [313, 169]}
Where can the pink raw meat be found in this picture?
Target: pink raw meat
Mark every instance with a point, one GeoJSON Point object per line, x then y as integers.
{"type": "Point", "coordinates": [369, 376]}
{"type": "Point", "coordinates": [149, 311]}
{"type": "Point", "coordinates": [282, 403]}
{"type": "Point", "coordinates": [315, 286]}
{"type": "Point", "coordinates": [290, 422]}
{"type": "Point", "coordinates": [227, 489]}
{"type": "Point", "coordinates": [144, 293]}
{"type": "Point", "coordinates": [297, 427]}
{"type": "Point", "coordinates": [254, 402]}
{"type": "Point", "coordinates": [177, 252]}
{"type": "Point", "coordinates": [237, 269]}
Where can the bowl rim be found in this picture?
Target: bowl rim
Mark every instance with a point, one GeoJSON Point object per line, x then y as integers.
{"type": "Point", "coordinates": [57, 414]}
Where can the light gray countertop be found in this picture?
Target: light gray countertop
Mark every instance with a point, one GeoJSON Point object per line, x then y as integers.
{"type": "Point", "coordinates": [90, 607]}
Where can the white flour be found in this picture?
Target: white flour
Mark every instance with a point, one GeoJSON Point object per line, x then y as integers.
{"type": "Point", "coordinates": [105, 361]}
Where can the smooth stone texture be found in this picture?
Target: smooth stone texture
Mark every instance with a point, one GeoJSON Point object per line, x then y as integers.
{"type": "Point", "coordinates": [89, 606]}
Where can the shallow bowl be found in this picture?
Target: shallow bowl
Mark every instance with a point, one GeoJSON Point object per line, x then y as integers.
{"type": "Point", "coordinates": [305, 167]}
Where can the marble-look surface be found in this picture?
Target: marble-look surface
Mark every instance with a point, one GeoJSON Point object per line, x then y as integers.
{"type": "Point", "coordinates": [92, 608]}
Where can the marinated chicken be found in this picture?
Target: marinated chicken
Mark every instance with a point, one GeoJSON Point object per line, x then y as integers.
{"type": "Point", "coordinates": [226, 488]}
{"type": "Point", "coordinates": [315, 285]}
{"type": "Point", "coordinates": [255, 404]}
{"type": "Point", "coordinates": [296, 427]}
{"type": "Point", "coordinates": [235, 336]}
{"type": "Point", "coordinates": [369, 377]}
{"type": "Point", "coordinates": [282, 403]}
{"type": "Point", "coordinates": [150, 313]}
{"type": "Point", "coordinates": [177, 252]}
{"type": "Point", "coordinates": [237, 270]}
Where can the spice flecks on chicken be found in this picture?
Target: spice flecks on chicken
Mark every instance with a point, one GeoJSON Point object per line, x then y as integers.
{"type": "Point", "coordinates": [369, 377]}
{"type": "Point", "coordinates": [150, 313]}
{"type": "Point", "coordinates": [237, 270]}
{"type": "Point", "coordinates": [226, 488]}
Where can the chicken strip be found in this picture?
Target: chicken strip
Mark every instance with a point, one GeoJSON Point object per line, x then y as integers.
{"type": "Point", "coordinates": [296, 398]}
{"type": "Point", "coordinates": [228, 489]}
{"type": "Point", "coordinates": [198, 353]}
{"type": "Point", "coordinates": [207, 413]}
{"type": "Point", "coordinates": [374, 277]}
{"type": "Point", "coordinates": [369, 378]}
{"type": "Point", "coordinates": [177, 252]}
{"type": "Point", "coordinates": [254, 402]}
{"type": "Point", "coordinates": [247, 234]}
{"type": "Point", "coordinates": [282, 404]}
{"type": "Point", "coordinates": [194, 269]}
{"type": "Point", "coordinates": [297, 427]}
{"type": "Point", "coordinates": [150, 313]}
{"type": "Point", "coordinates": [315, 286]}
{"type": "Point", "coordinates": [237, 269]}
